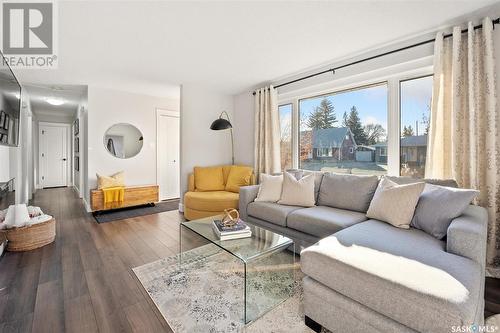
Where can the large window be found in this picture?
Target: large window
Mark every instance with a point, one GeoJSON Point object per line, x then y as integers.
{"type": "Point", "coordinates": [285, 112]}
{"type": "Point", "coordinates": [415, 104]}
{"type": "Point", "coordinates": [345, 131]}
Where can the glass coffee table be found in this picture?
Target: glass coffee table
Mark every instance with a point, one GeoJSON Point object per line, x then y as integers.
{"type": "Point", "coordinates": [267, 262]}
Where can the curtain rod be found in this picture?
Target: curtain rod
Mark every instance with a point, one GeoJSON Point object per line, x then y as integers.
{"type": "Point", "coordinates": [332, 70]}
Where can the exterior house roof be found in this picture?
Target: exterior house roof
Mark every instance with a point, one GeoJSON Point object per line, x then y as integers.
{"type": "Point", "coordinates": [380, 144]}
{"type": "Point", "coordinates": [414, 141]}
{"type": "Point", "coordinates": [330, 137]}
{"type": "Point", "coordinates": [409, 141]}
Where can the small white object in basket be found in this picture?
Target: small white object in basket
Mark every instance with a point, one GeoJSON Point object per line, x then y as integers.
{"type": "Point", "coordinates": [17, 216]}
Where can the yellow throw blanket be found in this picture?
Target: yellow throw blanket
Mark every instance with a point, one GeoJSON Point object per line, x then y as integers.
{"type": "Point", "coordinates": [113, 195]}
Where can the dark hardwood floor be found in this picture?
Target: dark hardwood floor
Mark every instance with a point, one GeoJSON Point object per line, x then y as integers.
{"type": "Point", "coordinates": [83, 282]}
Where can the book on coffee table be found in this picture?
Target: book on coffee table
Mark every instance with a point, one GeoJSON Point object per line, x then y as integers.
{"type": "Point", "coordinates": [239, 230]}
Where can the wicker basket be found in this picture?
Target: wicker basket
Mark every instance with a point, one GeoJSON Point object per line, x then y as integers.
{"type": "Point", "coordinates": [31, 237]}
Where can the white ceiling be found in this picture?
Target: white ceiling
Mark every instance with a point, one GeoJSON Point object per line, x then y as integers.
{"type": "Point", "coordinates": [72, 95]}
{"type": "Point", "coordinates": [152, 47]}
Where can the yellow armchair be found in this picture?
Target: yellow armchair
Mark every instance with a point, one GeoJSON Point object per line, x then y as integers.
{"type": "Point", "coordinates": [201, 201]}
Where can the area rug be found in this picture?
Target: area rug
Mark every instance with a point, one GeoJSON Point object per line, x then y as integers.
{"type": "Point", "coordinates": [126, 213]}
{"type": "Point", "coordinates": [201, 291]}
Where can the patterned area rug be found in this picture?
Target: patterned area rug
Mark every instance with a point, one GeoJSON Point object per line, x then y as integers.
{"type": "Point", "coordinates": [205, 294]}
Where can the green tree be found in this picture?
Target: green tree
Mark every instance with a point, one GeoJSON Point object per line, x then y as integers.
{"type": "Point", "coordinates": [323, 115]}
{"type": "Point", "coordinates": [315, 120]}
{"type": "Point", "coordinates": [353, 121]}
{"type": "Point", "coordinates": [408, 131]}
{"type": "Point", "coordinates": [425, 119]}
{"type": "Point", "coordinates": [375, 133]}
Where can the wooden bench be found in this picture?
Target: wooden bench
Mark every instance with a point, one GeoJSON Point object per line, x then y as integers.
{"type": "Point", "coordinates": [133, 196]}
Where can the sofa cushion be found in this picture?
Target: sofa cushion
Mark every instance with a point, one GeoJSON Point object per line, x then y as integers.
{"type": "Point", "coordinates": [297, 192]}
{"type": "Point", "coordinates": [322, 221]}
{"type": "Point", "coordinates": [215, 201]}
{"type": "Point", "coordinates": [209, 178]}
{"type": "Point", "coordinates": [352, 192]}
{"type": "Point", "coordinates": [404, 274]}
{"type": "Point", "coordinates": [395, 204]}
{"type": "Point", "coordinates": [270, 188]}
{"type": "Point", "coordinates": [271, 212]}
{"type": "Point", "coordinates": [438, 206]}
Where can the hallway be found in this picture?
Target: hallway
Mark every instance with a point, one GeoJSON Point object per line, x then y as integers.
{"type": "Point", "coordinates": [83, 281]}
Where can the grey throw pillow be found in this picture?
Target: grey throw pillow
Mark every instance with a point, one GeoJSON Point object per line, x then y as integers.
{"type": "Point", "coordinates": [352, 192]}
{"type": "Point", "coordinates": [438, 206]}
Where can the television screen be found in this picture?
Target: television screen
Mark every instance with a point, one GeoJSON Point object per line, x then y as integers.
{"type": "Point", "coordinates": [10, 106]}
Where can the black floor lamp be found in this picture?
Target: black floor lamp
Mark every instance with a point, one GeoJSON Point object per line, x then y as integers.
{"type": "Point", "coordinates": [224, 124]}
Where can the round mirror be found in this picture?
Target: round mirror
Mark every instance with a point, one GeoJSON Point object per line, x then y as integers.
{"type": "Point", "coordinates": [123, 140]}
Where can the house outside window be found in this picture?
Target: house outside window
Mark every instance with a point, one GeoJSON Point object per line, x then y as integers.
{"type": "Point", "coordinates": [375, 113]}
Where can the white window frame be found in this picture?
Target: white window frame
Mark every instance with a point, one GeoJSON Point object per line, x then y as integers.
{"type": "Point", "coordinates": [389, 76]}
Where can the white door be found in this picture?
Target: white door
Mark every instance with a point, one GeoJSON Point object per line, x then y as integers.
{"type": "Point", "coordinates": [53, 140]}
{"type": "Point", "coordinates": [168, 154]}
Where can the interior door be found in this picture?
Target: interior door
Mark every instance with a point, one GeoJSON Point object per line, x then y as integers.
{"type": "Point", "coordinates": [53, 155]}
{"type": "Point", "coordinates": [168, 156]}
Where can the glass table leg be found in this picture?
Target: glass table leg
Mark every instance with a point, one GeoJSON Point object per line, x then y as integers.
{"type": "Point", "coordinates": [269, 280]}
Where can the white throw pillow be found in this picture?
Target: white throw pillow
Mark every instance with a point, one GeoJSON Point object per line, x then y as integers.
{"type": "Point", "coordinates": [395, 204]}
{"type": "Point", "coordinates": [270, 188]}
{"type": "Point", "coordinates": [298, 192]}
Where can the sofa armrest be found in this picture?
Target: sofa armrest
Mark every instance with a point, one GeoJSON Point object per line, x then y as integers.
{"type": "Point", "coordinates": [191, 187]}
{"type": "Point", "coordinates": [247, 195]}
{"type": "Point", "coordinates": [467, 235]}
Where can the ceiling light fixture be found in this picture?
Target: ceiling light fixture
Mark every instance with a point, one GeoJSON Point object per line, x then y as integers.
{"type": "Point", "coordinates": [54, 101]}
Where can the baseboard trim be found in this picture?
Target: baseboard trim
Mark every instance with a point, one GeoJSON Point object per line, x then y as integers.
{"type": "Point", "coordinates": [87, 206]}
{"type": "Point", "coordinates": [77, 191]}
{"type": "Point", "coordinates": [312, 324]}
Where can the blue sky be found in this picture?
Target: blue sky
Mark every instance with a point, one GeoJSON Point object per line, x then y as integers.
{"type": "Point", "coordinates": [415, 100]}
{"type": "Point", "coordinates": [371, 103]}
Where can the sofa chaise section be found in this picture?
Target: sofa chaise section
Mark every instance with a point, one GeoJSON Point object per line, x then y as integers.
{"type": "Point", "coordinates": [397, 280]}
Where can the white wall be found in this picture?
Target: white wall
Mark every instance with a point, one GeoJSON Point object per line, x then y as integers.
{"type": "Point", "coordinates": [4, 163]}
{"type": "Point", "coordinates": [20, 158]}
{"type": "Point", "coordinates": [108, 107]}
{"type": "Point", "coordinates": [244, 128]}
{"type": "Point", "coordinates": [200, 146]}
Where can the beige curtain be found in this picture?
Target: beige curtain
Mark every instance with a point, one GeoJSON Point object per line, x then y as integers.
{"type": "Point", "coordinates": [267, 132]}
{"type": "Point", "coordinates": [464, 137]}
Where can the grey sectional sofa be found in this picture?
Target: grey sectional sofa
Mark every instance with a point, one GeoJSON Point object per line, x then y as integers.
{"type": "Point", "coordinates": [364, 275]}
